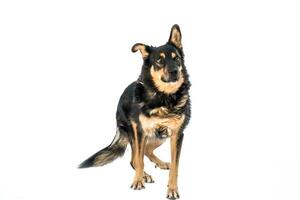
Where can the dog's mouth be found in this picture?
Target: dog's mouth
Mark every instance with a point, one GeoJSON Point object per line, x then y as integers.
{"type": "Point", "coordinates": [170, 77]}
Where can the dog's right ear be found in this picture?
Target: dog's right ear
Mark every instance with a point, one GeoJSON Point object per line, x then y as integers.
{"type": "Point", "coordinates": [144, 49]}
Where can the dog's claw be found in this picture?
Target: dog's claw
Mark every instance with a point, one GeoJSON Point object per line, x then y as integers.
{"type": "Point", "coordinates": [173, 194]}
{"type": "Point", "coordinates": [148, 178]}
{"type": "Point", "coordinates": [137, 185]}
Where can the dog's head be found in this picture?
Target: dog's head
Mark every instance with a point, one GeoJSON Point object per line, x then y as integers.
{"type": "Point", "coordinates": [164, 65]}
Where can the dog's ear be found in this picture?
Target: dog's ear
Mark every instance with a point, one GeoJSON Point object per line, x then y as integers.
{"type": "Point", "coordinates": [144, 49]}
{"type": "Point", "coordinates": [175, 36]}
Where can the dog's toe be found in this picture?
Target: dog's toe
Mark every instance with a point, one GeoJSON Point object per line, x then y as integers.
{"type": "Point", "coordinates": [148, 178]}
{"type": "Point", "coordinates": [137, 185]}
{"type": "Point", "coordinates": [173, 194]}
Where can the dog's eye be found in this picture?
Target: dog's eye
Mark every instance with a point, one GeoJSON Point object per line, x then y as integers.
{"type": "Point", "coordinates": [177, 59]}
{"type": "Point", "coordinates": [159, 60]}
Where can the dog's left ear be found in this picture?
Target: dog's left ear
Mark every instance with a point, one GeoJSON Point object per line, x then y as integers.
{"type": "Point", "coordinates": [144, 49]}
{"type": "Point", "coordinates": [175, 36]}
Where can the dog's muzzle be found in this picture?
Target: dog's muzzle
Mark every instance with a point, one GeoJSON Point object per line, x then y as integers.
{"type": "Point", "coordinates": [171, 76]}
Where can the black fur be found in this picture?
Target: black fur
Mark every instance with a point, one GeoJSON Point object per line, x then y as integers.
{"type": "Point", "coordinates": [143, 96]}
{"type": "Point", "coordinates": [136, 93]}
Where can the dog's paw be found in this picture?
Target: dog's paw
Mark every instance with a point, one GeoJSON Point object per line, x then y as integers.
{"type": "Point", "coordinates": [162, 132]}
{"type": "Point", "coordinates": [148, 178]}
{"type": "Point", "coordinates": [137, 185]}
{"type": "Point", "coordinates": [163, 165]}
{"type": "Point", "coordinates": [173, 194]}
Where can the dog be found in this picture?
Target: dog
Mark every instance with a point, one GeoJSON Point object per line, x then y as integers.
{"type": "Point", "coordinates": [151, 109]}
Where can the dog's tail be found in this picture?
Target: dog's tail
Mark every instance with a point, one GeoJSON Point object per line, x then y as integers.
{"type": "Point", "coordinates": [108, 154]}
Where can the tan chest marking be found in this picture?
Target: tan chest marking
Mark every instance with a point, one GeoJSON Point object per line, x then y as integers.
{"type": "Point", "coordinates": [161, 111]}
{"type": "Point", "coordinates": [152, 123]}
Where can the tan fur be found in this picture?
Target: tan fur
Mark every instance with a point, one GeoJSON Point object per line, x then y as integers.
{"type": "Point", "coordinates": [160, 111]}
{"type": "Point", "coordinates": [135, 144]}
{"type": "Point", "coordinates": [163, 55]}
{"type": "Point", "coordinates": [173, 55]}
{"type": "Point", "coordinates": [168, 88]}
{"type": "Point", "coordinates": [176, 38]}
{"type": "Point", "coordinates": [173, 174]}
{"type": "Point", "coordinates": [174, 123]}
{"type": "Point", "coordinates": [138, 163]}
{"type": "Point", "coordinates": [151, 145]}
{"type": "Point", "coordinates": [142, 49]}
{"type": "Point", "coordinates": [151, 124]}
{"type": "Point", "coordinates": [146, 177]}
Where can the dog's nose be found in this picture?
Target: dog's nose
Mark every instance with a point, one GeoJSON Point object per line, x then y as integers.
{"type": "Point", "coordinates": [173, 71]}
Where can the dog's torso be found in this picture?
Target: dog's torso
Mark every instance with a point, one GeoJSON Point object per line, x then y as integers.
{"type": "Point", "coordinates": [160, 115]}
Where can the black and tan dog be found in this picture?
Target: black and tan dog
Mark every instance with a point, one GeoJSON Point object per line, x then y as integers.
{"type": "Point", "coordinates": [151, 109]}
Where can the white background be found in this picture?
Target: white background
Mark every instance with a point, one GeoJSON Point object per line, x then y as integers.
{"type": "Point", "coordinates": [64, 64]}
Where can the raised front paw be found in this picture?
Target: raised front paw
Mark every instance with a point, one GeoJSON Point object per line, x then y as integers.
{"type": "Point", "coordinates": [173, 194]}
{"type": "Point", "coordinates": [162, 132]}
{"type": "Point", "coordinates": [137, 185]}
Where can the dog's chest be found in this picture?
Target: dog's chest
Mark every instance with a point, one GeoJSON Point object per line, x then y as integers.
{"type": "Point", "coordinates": [166, 118]}
{"type": "Point", "coordinates": [158, 120]}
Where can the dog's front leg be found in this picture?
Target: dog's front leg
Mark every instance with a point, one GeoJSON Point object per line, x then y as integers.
{"type": "Point", "coordinates": [139, 141]}
{"type": "Point", "coordinates": [176, 142]}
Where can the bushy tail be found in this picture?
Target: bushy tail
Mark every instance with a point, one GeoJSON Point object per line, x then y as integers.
{"type": "Point", "coordinates": [110, 153]}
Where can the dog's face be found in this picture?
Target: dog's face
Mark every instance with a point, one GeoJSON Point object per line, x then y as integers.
{"type": "Point", "coordinates": [165, 63]}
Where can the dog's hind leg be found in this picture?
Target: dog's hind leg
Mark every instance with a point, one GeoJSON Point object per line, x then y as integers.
{"type": "Point", "coordinates": [151, 145]}
{"type": "Point", "coordinates": [147, 177]}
